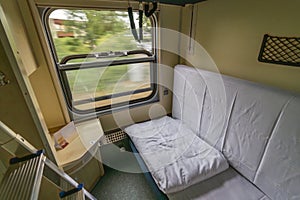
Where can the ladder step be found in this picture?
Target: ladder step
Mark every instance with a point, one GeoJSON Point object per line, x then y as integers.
{"type": "Point", "coordinates": [28, 157]}
{"type": "Point", "coordinates": [23, 181]}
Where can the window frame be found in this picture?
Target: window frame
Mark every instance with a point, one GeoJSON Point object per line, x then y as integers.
{"type": "Point", "coordinates": [62, 67]}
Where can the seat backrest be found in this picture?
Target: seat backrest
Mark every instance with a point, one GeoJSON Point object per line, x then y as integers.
{"type": "Point", "coordinates": [279, 172]}
{"type": "Point", "coordinates": [239, 117]}
{"type": "Point", "coordinates": [253, 117]}
{"type": "Point", "coordinates": [203, 102]}
{"type": "Point", "coordinates": [186, 98]}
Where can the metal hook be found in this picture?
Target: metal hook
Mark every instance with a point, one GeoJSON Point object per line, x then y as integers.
{"type": "Point", "coordinates": [149, 13]}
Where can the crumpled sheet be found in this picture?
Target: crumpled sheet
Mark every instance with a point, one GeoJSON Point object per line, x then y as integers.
{"type": "Point", "coordinates": [174, 155]}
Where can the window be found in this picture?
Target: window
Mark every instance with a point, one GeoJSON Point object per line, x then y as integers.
{"type": "Point", "coordinates": [100, 65]}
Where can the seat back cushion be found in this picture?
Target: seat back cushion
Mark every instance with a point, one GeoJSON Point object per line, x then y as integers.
{"type": "Point", "coordinates": [218, 102]}
{"type": "Point", "coordinates": [187, 99]}
{"type": "Point", "coordinates": [203, 102]}
{"type": "Point", "coordinates": [254, 114]}
{"type": "Point", "coordinates": [235, 116]}
{"type": "Point", "coordinates": [279, 173]}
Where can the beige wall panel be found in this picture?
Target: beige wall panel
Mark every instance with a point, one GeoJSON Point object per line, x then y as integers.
{"type": "Point", "coordinates": [232, 31]}
{"type": "Point", "coordinates": [14, 19]}
{"type": "Point", "coordinates": [39, 77]}
{"type": "Point", "coordinates": [46, 95]}
{"type": "Point", "coordinates": [13, 108]}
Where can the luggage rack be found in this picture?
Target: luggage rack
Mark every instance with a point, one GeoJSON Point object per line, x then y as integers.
{"type": "Point", "coordinates": [280, 50]}
{"type": "Point", "coordinates": [35, 177]}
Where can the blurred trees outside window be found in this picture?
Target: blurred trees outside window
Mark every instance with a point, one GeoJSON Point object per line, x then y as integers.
{"type": "Point", "coordinates": [81, 31]}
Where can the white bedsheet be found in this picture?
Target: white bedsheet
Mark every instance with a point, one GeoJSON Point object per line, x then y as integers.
{"type": "Point", "coordinates": [174, 155]}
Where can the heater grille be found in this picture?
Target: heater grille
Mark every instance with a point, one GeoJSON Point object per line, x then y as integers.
{"type": "Point", "coordinates": [115, 137]}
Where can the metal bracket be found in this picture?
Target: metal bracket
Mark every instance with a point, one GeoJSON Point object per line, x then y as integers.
{"type": "Point", "coordinates": [3, 80]}
{"type": "Point", "coordinates": [28, 157]}
{"type": "Point", "coordinates": [63, 194]}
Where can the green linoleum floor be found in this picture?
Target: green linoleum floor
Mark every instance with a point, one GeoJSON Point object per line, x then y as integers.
{"type": "Point", "coordinates": [117, 185]}
{"type": "Point", "coordinates": [122, 178]}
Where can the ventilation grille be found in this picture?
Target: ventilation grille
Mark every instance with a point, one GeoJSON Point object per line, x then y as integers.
{"type": "Point", "coordinates": [280, 50]}
{"type": "Point", "coordinates": [114, 137]}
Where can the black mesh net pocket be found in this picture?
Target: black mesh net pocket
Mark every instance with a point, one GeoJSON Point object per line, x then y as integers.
{"type": "Point", "coordinates": [280, 50]}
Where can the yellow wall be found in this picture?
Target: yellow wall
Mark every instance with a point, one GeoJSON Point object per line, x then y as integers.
{"type": "Point", "coordinates": [232, 31]}
{"type": "Point", "coordinates": [45, 92]}
{"type": "Point", "coordinates": [31, 53]}
{"type": "Point", "coordinates": [13, 108]}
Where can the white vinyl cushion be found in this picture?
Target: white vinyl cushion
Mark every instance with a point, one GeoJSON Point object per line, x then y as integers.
{"type": "Point", "coordinates": [255, 126]}
{"type": "Point", "coordinates": [252, 119]}
{"type": "Point", "coordinates": [174, 155]}
{"type": "Point", "coordinates": [186, 98]}
{"type": "Point", "coordinates": [279, 173]}
{"type": "Point", "coordinates": [203, 101]}
{"type": "Point", "coordinates": [217, 106]}
{"type": "Point", "coordinates": [228, 185]}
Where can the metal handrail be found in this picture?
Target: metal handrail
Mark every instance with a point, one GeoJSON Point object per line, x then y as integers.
{"type": "Point", "coordinates": [97, 64]}
{"type": "Point", "coordinates": [99, 55]}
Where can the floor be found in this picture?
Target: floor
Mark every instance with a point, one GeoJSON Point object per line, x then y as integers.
{"type": "Point", "coordinates": [117, 185]}
{"type": "Point", "coordinates": [123, 179]}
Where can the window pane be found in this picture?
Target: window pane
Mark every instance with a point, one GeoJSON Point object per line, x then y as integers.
{"type": "Point", "coordinates": [83, 31]}
{"type": "Point", "coordinates": [105, 81]}
{"type": "Point", "coordinates": [93, 37]}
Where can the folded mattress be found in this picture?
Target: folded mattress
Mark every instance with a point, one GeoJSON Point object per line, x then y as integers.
{"type": "Point", "coordinates": [175, 156]}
